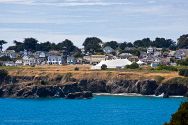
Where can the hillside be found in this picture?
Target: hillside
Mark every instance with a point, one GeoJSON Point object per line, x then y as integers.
{"type": "Point", "coordinates": [85, 72]}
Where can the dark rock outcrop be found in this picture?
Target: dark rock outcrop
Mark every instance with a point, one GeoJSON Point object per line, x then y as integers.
{"type": "Point", "coordinates": [172, 89]}
{"type": "Point", "coordinates": [95, 86]}
{"type": "Point", "coordinates": [44, 91]}
{"type": "Point", "coordinates": [166, 95]}
{"type": "Point", "coordinates": [146, 87]}
{"type": "Point", "coordinates": [78, 95]}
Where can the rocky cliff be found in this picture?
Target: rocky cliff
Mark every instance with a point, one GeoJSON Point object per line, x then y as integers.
{"type": "Point", "coordinates": [69, 91]}
{"type": "Point", "coordinates": [59, 87]}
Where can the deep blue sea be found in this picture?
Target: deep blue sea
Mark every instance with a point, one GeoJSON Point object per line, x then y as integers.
{"type": "Point", "coordinates": [101, 110]}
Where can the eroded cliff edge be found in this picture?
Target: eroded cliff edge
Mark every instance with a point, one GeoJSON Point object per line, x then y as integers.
{"type": "Point", "coordinates": [63, 87]}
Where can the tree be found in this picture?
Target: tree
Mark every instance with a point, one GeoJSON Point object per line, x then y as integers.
{"type": "Point", "coordinates": [112, 44]}
{"type": "Point", "coordinates": [92, 44]}
{"type": "Point", "coordinates": [130, 44]}
{"type": "Point", "coordinates": [17, 43]}
{"type": "Point", "coordinates": [46, 46]}
{"type": "Point", "coordinates": [146, 42]}
{"type": "Point", "coordinates": [163, 43]}
{"type": "Point", "coordinates": [183, 41]}
{"type": "Point", "coordinates": [5, 58]}
{"type": "Point", "coordinates": [2, 42]}
{"type": "Point", "coordinates": [19, 46]}
{"type": "Point", "coordinates": [30, 44]}
{"type": "Point", "coordinates": [68, 45]}
{"type": "Point", "coordinates": [104, 67]}
{"type": "Point", "coordinates": [183, 62]}
{"type": "Point", "coordinates": [123, 45]}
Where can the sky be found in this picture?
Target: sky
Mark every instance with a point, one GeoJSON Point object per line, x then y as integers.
{"type": "Point", "coordinates": [120, 20]}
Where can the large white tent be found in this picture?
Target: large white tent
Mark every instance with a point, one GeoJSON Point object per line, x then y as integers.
{"type": "Point", "coordinates": [113, 63]}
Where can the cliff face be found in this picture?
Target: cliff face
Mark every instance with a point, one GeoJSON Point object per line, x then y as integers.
{"type": "Point", "coordinates": [144, 87]}
{"type": "Point", "coordinates": [71, 90]}
{"type": "Point", "coordinates": [59, 87]}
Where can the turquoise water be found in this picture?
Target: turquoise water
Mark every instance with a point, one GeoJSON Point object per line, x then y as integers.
{"type": "Point", "coordinates": [101, 110]}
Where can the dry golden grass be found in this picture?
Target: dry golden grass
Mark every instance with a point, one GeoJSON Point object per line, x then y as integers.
{"type": "Point", "coordinates": [85, 72]}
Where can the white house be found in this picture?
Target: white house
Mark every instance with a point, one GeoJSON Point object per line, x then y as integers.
{"type": "Point", "coordinates": [19, 62]}
{"type": "Point", "coordinates": [11, 54]}
{"type": "Point", "coordinates": [181, 54]}
{"type": "Point", "coordinates": [54, 59]}
{"type": "Point", "coordinates": [9, 63]}
{"type": "Point", "coordinates": [71, 60]}
{"type": "Point", "coordinates": [28, 61]}
{"type": "Point", "coordinates": [42, 55]}
{"type": "Point", "coordinates": [150, 50]}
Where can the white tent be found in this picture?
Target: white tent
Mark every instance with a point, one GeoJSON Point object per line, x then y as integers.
{"type": "Point", "coordinates": [140, 62]}
{"type": "Point", "coordinates": [113, 63]}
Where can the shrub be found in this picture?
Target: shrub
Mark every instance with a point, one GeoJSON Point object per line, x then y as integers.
{"type": "Point", "coordinates": [159, 79]}
{"type": "Point", "coordinates": [177, 80]}
{"type": "Point", "coordinates": [103, 67]}
{"type": "Point", "coordinates": [169, 68]}
{"type": "Point", "coordinates": [183, 62]}
{"type": "Point", "coordinates": [76, 69]}
{"type": "Point", "coordinates": [133, 66]}
{"type": "Point", "coordinates": [181, 116]}
{"type": "Point", "coordinates": [5, 58]}
{"type": "Point", "coordinates": [183, 72]}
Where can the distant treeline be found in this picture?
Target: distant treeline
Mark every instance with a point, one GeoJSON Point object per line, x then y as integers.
{"type": "Point", "coordinates": [93, 44]}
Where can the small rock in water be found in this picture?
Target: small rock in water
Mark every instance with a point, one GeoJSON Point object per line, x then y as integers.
{"type": "Point", "coordinates": [166, 95]}
{"type": "Point", "coordinates": [79, 95]}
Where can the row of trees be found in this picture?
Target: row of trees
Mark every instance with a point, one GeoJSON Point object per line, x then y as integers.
{"type": "Point", "coordinates": [93, 44]}
{"type": "Point", "coordinates": [34, 45]}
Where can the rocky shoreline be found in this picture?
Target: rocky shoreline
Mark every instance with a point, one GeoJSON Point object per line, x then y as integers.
{"type": "Point", "coordinates": [42, 87]}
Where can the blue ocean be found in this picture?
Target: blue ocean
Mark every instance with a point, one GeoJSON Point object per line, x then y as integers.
{"type": "Point", "coordinates": [101, 110]}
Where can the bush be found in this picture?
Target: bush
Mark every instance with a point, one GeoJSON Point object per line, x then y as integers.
{"type": "Point", "coordinates": [177, 80]}
{"type": "Point", "coordinates": [183, 62]}
{"type": "Point", "coordinates": [76, 69]}
{"type": "Point", "coordinates": [181, 116]}
{"type": "Point", "coordinates": [183, 72]}
{"type": "Point", "coordinates": [103, 67]}
{"type": "Point", "coordinates": [159, 79]}
{"type": "Point", "coordinates": [169, 68]}
{"type": "Point", "coordinates": [133, 66]}
{"type": "Point", "coordinates": [5, 58]}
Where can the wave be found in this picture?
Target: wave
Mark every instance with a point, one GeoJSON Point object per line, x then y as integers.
{"type": "Point", "coordinates": [134, 94]}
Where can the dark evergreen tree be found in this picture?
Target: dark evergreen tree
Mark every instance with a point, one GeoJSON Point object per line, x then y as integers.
{"type": "Point", "coordinates": [92, 44]}
{"type": "Point", "coordinates": [2, 42]}
{"type": "Point", "coordinates": [183, 41]}
{"type": "Point", "coordinates": [112, 44]}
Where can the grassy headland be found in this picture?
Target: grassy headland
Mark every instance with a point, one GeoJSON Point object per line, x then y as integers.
{"type": "Point", "coordinates": [84, 72]}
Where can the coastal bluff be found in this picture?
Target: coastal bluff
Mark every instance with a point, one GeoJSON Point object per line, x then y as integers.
{"type": "Point", "coordinates": [61, 87]}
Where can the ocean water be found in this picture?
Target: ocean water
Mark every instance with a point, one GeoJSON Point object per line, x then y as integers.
{"type": "Point", "coordinates": [101, 110]}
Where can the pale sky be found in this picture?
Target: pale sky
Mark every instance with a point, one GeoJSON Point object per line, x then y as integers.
{"type": "Point", "coordinates": [120, 20]}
